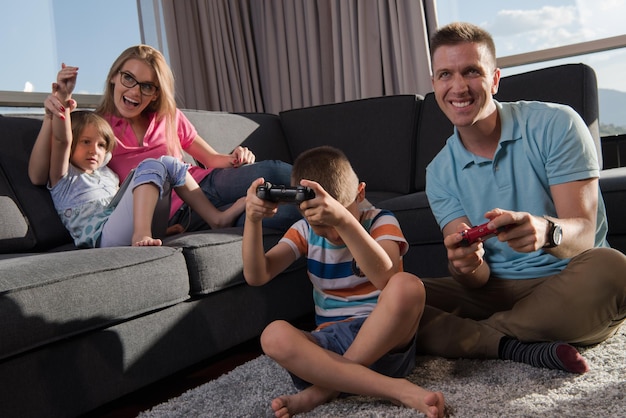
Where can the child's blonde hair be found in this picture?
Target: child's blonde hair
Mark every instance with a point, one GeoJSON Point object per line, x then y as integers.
{"type": "Point", "coordinates": [83, 118]}
{"type": "Point", "coordinates": [329, 167]}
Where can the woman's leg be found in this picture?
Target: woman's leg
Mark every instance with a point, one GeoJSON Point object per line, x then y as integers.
{"type": "Point", "coordinates": [225, 186]}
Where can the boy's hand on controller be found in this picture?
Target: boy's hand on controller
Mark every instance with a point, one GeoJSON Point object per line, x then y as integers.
{"type": "Point", "coordinates": [323, 209]}
{"type": "Point", "coordinates": [256, 208]}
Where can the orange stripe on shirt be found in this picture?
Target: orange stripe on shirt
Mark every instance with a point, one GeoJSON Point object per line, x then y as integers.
{"type": "Point", "coordinates": [361, 289]}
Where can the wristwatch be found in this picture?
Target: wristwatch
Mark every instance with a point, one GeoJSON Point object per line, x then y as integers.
{"type": "Point", "coordinates": [555, 234]}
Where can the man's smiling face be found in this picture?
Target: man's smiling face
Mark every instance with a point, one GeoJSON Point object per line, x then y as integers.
{"type": "Point", "coordinates": [464, 79]}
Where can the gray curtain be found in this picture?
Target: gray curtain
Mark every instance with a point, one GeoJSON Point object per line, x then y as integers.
{"type": "Point", "coordinates": [274, 55]}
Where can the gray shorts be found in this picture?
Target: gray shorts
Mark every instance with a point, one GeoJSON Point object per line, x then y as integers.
{"type": "Point", "coordinates": [339, 336]}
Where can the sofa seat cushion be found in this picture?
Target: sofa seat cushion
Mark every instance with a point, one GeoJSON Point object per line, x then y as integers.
{"type": "Point", "coordinates": [53, 296]}
{"type": "Point", "coordinates": [214, 257]}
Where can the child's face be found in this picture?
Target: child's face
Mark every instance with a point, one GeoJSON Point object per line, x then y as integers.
{"type": "Point", "coordinates": [130, 102]}
{"type": "Point", "coordinates": [90, 149]}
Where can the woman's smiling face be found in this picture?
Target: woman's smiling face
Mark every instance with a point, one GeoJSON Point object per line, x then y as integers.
{"type": "Point", "coordinates": [130, 102]}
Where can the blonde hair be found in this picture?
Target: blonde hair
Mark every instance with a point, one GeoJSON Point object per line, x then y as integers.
{"type": "Point", "coordinates": [329, 167]}
{"type": "Point", "coordinates": [165, 104]}
{"type": "Point", "coordinates": [84, 118]}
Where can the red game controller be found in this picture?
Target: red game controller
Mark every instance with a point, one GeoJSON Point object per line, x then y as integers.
{"type": "Point", "coordinates": [480, 232]}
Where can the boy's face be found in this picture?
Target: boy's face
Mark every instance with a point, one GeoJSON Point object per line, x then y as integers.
{"type": "Point", "coordinates": [90, 149]}
{"type": "Point", "coordinates": [464, 80]}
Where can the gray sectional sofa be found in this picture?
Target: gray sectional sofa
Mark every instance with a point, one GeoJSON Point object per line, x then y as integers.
{"type": "Point", "coordinates": [80, 328]}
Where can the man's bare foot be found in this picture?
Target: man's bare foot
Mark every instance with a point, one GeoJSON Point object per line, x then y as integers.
{"type": "Point", "coordinates": [289, 405]}
{"type": "Point", "coordinates": [146, 242]}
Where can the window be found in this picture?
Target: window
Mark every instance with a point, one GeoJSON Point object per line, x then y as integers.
{"type": "Point", "coordinates": [38, 35]}
{"type": "Point", "coordinates": [521, 29]}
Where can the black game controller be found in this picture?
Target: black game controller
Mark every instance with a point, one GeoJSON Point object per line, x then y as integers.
{"type": "Point", "coordinates": [480, 232]}
{"type": "Point", "coordinates": [285, 194]}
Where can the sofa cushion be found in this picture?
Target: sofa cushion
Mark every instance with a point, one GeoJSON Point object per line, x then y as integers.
{"type": "Point", "coordinates": [45, 230]}
{"type": "Point", "coordinates": [433, 129]}
{"type": "Point", "coordinates": [376, 134]}
{"type": "Point", "coordinates": [13, 224]}
{"type": "Point", "coordinates": [214, 257]}
{"type": "Point", "coordinates": [49, 297]}
{"type": "Point", "coordinates": [427, 255]}
{"type": "Point", "coordinates": [613, 186]}
{"type": "Point", "coordinates": [260, 132]}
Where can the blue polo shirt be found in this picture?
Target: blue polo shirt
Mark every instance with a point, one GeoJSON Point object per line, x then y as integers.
{"type": "Point", "coordinates": [541, 144]}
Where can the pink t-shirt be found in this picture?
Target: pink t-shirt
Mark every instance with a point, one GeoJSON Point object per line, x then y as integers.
{"type": "Point", "coordinates": [128, 153]}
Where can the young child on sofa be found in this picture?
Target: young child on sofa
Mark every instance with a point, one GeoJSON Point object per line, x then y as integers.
{"type": "Point", "coordinates": [78, 145]}
{"type": "Point", "coordinates": [139, 102]}
{"type": "Point", "coordinates": [367, 308]}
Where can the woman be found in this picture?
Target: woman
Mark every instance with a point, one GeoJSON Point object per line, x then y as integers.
{"type": "Point", "coordinates": [139, 104]}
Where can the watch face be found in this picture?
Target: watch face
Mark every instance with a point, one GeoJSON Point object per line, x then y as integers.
{"type": "Point", "coordinates": [557, 234]}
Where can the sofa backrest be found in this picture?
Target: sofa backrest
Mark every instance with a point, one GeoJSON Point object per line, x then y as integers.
{"type": "Point", "coordinates": [28, 220]}
{"type": "Point", "coordinates": [571, 84]}
{"type": "Point", "coordinates": [261, 132]}
{"type": "Point", "coordinates": [376, 134]}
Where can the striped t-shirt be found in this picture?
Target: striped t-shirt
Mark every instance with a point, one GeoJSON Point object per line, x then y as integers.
{"type": "Point", "coordinates": [340, 291]}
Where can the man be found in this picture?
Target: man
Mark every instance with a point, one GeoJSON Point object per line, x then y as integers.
{"type": "Point", "coordinates": [547, 280]}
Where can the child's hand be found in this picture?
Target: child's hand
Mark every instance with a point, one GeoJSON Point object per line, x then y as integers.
{"type": "Point", "coordinates": [323, 210]}
{"type": "Point", "coordinates": [66, 81]}
{"type": "Point", "coordinates": [257, 208]}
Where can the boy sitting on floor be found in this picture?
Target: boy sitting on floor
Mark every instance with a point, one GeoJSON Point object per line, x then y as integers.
{"type": "Point", "coordinates": [367, 309]}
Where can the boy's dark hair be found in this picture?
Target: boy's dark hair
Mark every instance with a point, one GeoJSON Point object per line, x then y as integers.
{"type": "Point", "coordinates": [329, 167]}
{"type": "Point", "coordinates": [83, 118]}
{"type": "Point", "coordinates": [459, 32]}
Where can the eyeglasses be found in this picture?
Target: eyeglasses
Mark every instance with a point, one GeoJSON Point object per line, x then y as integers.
{"type": "Point", "coordinates": [147, 89]}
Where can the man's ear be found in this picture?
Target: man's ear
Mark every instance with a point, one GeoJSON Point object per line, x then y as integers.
{"type": "Point", "coordinates": [495, 82]}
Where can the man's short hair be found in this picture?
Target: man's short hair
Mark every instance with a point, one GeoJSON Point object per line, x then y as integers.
{"type": "Point", "coordinates": [460, 32]}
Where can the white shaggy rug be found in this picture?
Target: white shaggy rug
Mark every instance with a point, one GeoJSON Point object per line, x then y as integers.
{"type": "Point", "coordinates": [472, 388]}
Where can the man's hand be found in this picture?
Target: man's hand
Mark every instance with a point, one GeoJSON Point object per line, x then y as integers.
{"type": "Point", "coordinates": [464, 260]}
{"type": "Point", "coordinates": [524, 232]}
